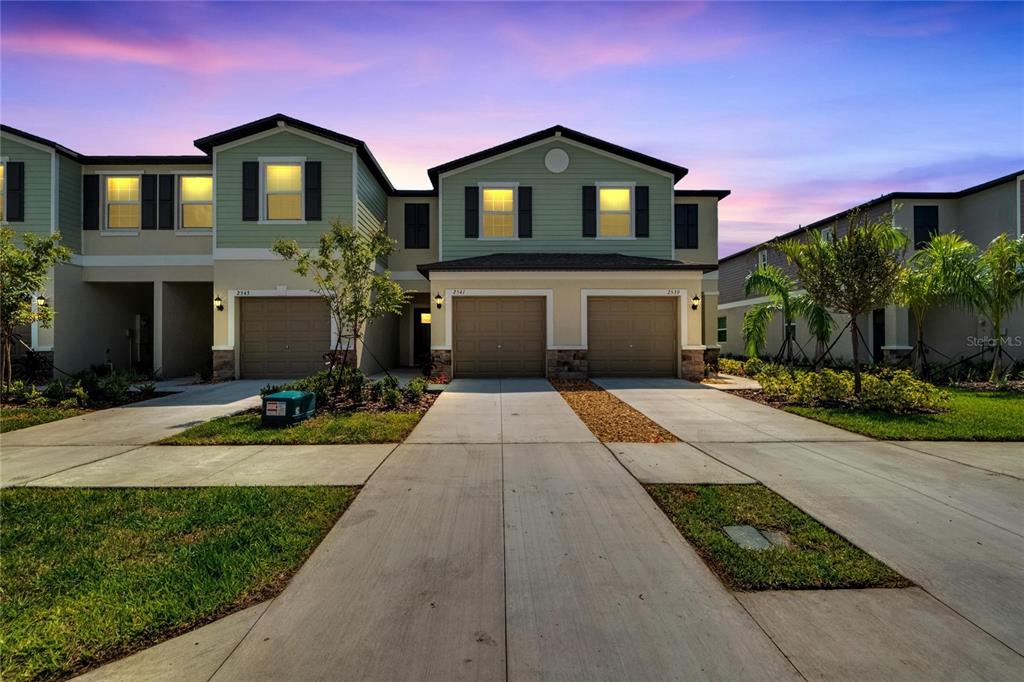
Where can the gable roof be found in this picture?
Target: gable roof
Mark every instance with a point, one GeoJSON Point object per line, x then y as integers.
{"type": "Point", "coordinates": [719, 193]}
{"type": "Point", "coordinates": [206, 144]}
{"type": "Point", "coordinates": [891, 196]}
{"type": "Point", "coordinates": [561, 131]}
{"type": "Point", "coordinates": [87, 160]}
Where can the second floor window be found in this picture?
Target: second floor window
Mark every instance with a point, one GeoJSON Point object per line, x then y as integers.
{"type": "Point", "coordinates": [123, 206]}
{"type": "Point", "coordinates": [498, 214]}
{"type": "Point", "coordinates": [723, 331]}
{"type": "Point", "coordinates": [926, 224]}
{"type": "Point", "coordinates": [762, 258]}
{"type": "Point", "coordinates": [283, 186]}
{"type": "Point", "coordinates": [615, 212]}
{"type": "Point", "coordinates": [196, 202]}
{"type": "Point", "coordinates": [417, 226]}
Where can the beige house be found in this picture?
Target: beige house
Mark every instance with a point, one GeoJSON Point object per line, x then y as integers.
{"type": "Point", "coordinates": [556, 254]}
{"type": "Point", "coordinates": [978, 213]}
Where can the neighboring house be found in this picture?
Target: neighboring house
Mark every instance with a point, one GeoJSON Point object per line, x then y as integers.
{"type": "Point", "coordinates": [555, 254]}
{"type": "Point", "coordinates": [978, 213]}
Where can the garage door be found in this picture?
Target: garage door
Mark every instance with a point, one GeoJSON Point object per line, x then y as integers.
{"type": "Point", "coordinates": [284, 336]}
{"type": "Point", "coordinates": [497, 336]}
{"type": "Point", "coordinates": [632, 336]}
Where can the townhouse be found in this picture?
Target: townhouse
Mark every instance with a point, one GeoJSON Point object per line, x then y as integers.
{"type": "Point", "coordinates": [977, 213]}
{"type": "Point", "coordinates": [555, 254]}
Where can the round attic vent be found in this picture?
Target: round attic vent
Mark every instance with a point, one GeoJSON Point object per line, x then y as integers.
{"type": "Point", "coordinates": [556, 160]}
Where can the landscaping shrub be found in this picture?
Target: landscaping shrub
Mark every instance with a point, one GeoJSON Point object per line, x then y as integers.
{"type": "Point", "coordinates": [731, 366]}
{"type": "Point", "coordinates": [355, 390]}
{"type": "Point", "coordinates": [415, 389]}
{"type": "Point", "coordinates": [754, 366]}
{"type": "Point", "coordinates": [85, 389]}
{"type": "Point", "coordinates": [827, 387]}
{"type": "Point", "coordinates": [900, 391]}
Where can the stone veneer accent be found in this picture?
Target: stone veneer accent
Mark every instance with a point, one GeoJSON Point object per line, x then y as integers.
{"type": "Point", "coordinates": [441, 360]}
{"type": "Point", "coordinates": [691, 364]}
{"type": "Point", "coordinates": [567, 364]}
{"type": "Point", "coordinates": [224, 364]}
{"type": "Point", "coordinates": [711, 360]}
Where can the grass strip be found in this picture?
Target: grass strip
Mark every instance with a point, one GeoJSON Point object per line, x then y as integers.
{"type": "Point", "coordinates": [90, 575]}
{"type": "Point", "coordinates": [972, 415]}
{"type": "Point", "coordinates": [13, 418]}
{"type": "Point", "coordinates": [323, 429]}
{"type": "Point", "coordinates": [607, 417]}
{"type": "Point", "coordinates": [817, 558]}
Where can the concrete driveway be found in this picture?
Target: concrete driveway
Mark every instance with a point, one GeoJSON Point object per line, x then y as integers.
{"type": "Point", "coordinates": [38, 451]}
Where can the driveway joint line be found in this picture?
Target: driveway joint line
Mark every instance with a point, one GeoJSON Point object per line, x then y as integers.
{"type": "Point", "coordinates": [900, 444]}
{"type": "Point", "coordinates": [76, 466]}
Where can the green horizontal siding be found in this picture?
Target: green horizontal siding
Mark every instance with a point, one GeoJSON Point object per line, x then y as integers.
{"type": "Point", "coordinates": [557, 204]}
{"type": "Point", "coordinates": [371, 202]}
{"type": "Point", "coordinates": [38, 187]}
{"type": "Point", "coordinates": [336, 179]}
{"type": "Point", "coordinates": [69, 191]}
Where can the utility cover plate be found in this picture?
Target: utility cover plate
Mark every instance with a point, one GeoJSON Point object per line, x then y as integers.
{"type": "Point", "coordinates": [747, 537]}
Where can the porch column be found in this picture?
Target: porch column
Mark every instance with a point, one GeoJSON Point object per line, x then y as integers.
{"type": "Point", "coordinates": [158, 326]}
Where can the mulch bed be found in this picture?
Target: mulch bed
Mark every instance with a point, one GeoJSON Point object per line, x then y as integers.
{"type": "Point", "coordinates": [1016, 386]}
{"type": "Point", "coordinates": [608, 418]}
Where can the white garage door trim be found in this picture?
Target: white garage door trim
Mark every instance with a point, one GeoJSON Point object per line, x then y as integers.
{"type": "Point", "coordinates": [232, 309]}
{"type": "Point", "coordinates": [680, 294]}
{"type": "Point", "coordinates": [449, 315]}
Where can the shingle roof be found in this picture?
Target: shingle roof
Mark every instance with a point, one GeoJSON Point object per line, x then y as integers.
{"type": "Point", "coordinates": [558, 261]}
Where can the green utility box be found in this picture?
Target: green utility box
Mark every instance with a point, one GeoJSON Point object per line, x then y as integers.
{"type": "Point", "coordinates": [285, 408]}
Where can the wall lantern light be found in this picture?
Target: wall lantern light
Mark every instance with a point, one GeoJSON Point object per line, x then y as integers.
{"type": "Point", "coordinates": [695, 303]}
{"type": "Point", "coordinates": [40, 301]}
{"type": "Point", "coordinates": [438, 300]}
{"type": "Point", "coordinates": [218, 303]}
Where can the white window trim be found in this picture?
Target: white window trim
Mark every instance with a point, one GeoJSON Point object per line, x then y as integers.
{"type": "Point", "coordinates": [3, 194]}
{"type": "Point", "coordinates": [105, 229]}
{"type": "Point", "coordinates": [631, 186]}
{"type": "Point", "coordinates": [264, 161]}
{"type": "Point", "coordinates": [762, 257]}
{"type": "Point", "coordinates": [514, 186]}
{"type": "Point", "coordinates": [179, 217]}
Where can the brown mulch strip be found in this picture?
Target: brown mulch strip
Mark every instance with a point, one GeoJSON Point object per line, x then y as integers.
{"type": "Point", "coordinates": [984, 386]}
{"type": "Point", "coordinates": [608, 418]}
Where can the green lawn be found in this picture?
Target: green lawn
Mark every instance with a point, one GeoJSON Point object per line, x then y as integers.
{"type": "Point", "coordinates": [90, 575]}
{"type": "Point", "coordinates": [14, 418]}
{"type": "Point", "coordinates": [818, 559]}
{"type": "Point", "coordinates": [324, 429]}
{"type": "Point", "coordinates": [973, 415]}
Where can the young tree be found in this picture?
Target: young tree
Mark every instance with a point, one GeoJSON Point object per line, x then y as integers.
{"type": "Point", "coordinates": [853, 274]}
{"type": "Point", "coordinates": [23, 274]}
{"type": "Point", "coordinates": [940, 273]}
{"type": "Point", "coordinates": [343, 271]}
{"type": "Point", "coordinates": [780, 288]}
{"type": "Point", "coordinates": [998, 288]}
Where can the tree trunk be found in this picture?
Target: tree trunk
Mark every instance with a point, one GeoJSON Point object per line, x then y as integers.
{"type": "Point", "coordinates": [921, 359]}
{"type": "Point", "coordinates": [819, 355]}
{"type": "Point", "coordinates": [855, 333]}
{"type": "Point", "coordinates": [997, 325]}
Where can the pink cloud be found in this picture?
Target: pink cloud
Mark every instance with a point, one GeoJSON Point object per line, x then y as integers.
{"type": "Point", "coordinates": [189, 55]}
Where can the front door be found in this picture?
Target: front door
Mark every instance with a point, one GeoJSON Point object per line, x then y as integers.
{"type": "Point", "coordinates": [877, 335]}
{"type": "Point", "coordinates": [421, 336]}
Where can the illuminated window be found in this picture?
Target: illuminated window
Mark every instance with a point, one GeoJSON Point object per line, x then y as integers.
{"type": "Point", "coordinates": [283, 186]}
{"type": "Point", "coordinates": [615, 212]}
{"type": "Point", "coordinates": [3, 192]}
{"type": "Point", "coordinates": [424, 318]}
{"type": "Point", "coordinates": [196, 202]}
{"type": "Point", "coordinates": [123, 207]}
{"type": "Point", "coordinates": [498, 215]}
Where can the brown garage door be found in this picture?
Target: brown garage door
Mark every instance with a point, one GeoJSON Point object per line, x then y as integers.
{"type": "Point", "coordinates": [283, 336]}
{"type": "Point", "coordinates": [632, 336]}
{"type": "Point", "coordinates": [498, 336]}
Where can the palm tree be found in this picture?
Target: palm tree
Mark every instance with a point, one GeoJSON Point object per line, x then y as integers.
{"type": "Point", "coordinates": [780, 288]}
{"type": "Point", "coordinates": [853, 274]}
{"type": "Point", "coordinates": [819, 323]}
{"type": "Point", "coordinates": [940, 273]}
{"type": "Point", "coordinates": [998, 288]}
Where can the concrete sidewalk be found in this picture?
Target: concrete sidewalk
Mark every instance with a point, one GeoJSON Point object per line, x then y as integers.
{"type": "Point", "coordinates": [144, 422]}
{"type": "Point", "coordinates": [191, 465]}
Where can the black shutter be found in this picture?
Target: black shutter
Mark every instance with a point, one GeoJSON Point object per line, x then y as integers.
{"type": "Point", "coordinates": [250, 190]}
{"type": "Point", "coordinates": [148, 202]}
{"type": "Point", "coordinates": [472, 212]}
{"type": "Point", "coordinates": [643, 212]}
{"type": "Point", "coordinates": [525, 212]}
{"type": "Point", "coordinates": [589, 211]}
{"type": "Point", "coordinates": [15, 191]}
{"type": "Point", "coordinates": [91, 202]}
{"type": "Point", "coordinates": [165, 202]}
{"type": "Point", "coordinates": [686, 226]}
{"type": "Point", "coordinates": [417, 226]}
{"type": "Point", "coordinates": [313, 211]}
{"type": "Point", "coordinates": [926, 224]}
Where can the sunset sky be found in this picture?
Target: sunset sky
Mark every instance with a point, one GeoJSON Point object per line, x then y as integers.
{"type": "Point", "coordinates": [801, 110]}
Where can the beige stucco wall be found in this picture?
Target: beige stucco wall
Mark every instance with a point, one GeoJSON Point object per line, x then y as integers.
{"type": "Point", "coordinates": [566, 290]}
{"type": "Point", "coordinates": [145, 243]}
{"type": "Point", "coordinates": [707, 231]}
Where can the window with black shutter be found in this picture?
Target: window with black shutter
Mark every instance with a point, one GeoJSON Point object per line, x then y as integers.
{"type": "Point", "coordinates": [417, 226]}
{"type": "Point", "coordinates": [686, 226]}
{"type": "Point", "coordinates": [926, 224]}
